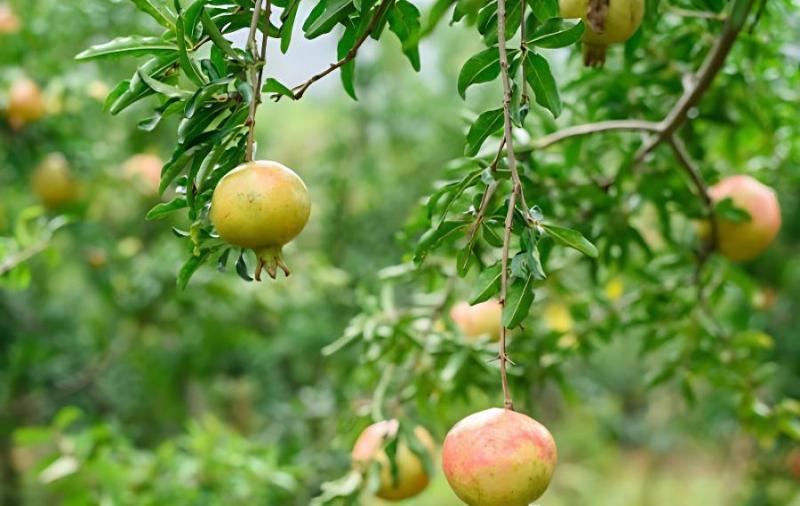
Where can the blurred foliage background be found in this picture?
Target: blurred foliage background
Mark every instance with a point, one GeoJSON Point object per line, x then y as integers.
{"type": "Point", "coordinates": [118, 388]}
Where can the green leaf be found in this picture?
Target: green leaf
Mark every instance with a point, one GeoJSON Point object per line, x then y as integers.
{"type": "Point", "coordinates": [434, 236]}
{"type": "Point", "coordinates": [190, 267]}
{"type": "Point", "coordinates": [241, 268]}
{"type": "Point", "coordinates": [216, 36]}
{"type": "Point", "coordinates": [539, 76]}
{"type": "Point", "coordinates": [488, 123]}
{"type": "Point", "coordinates": [544, 9]}
{"type": "Point", "coordinates": [518, 302]}
{"type": "Point", "coordinates": [174, 167]}
{"type": "Point", "coordinates": [163, 209]}
{"type": "Point", "coordinates": [348, 70]}
{"type": "Point", "coordinates": [287, 17]}
{"type": "Point", "coordinates": [332, 11]}
{"type": "Point", "coordinates": [120, 99]}
{"type": "Point", "coordinates": [187, 64]}
{"type": "Point", "coordinates": [274, 86]}
{"type": "Point", "coordinates": [487, 285]}
{"type": "Point", "coordinates": [727, 210]}
{"type": "Point", "coordinates": [157, 11]}
{"type": "Point", "coordinates": [571, 238]}
{"type": "Point", "coordinates": [556, 32]}
{"type": "Point", "coordinates": [480, 68]}
{"type": "Point", "coordinates": [164, 89]}
{"type": "Point", "coordinates": [128, 46]}
{"type": "Point", "coordinates": [404, 22]}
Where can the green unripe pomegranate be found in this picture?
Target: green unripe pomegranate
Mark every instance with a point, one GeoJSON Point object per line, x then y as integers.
{"type": "Point", "coordinates": [748, 239]}
{"type": "Point", "coordinates": [622, 19]}
{"type": "Point", "coordinates": [53, 182]}
{"type": "Point", "coordinates": [261, 205]}
{"type": "Point", "coordinates": [499, 457]}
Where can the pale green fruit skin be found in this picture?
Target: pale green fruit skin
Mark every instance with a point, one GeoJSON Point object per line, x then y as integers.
{"type": "Point", "coordinates": [260, 205]}
{"type": "Point", "coordinates": [411, 475]}
{"type": "Point", "coordinates": [483, 319]}
{"type": "Point", "coordinates": [499, 457]}
{"type": "Point", "coordinates": [746, 240]}
{"type": "Point", "coordinates": [53, 183]}
{"type": "Point", "coordinates": [622, 21]}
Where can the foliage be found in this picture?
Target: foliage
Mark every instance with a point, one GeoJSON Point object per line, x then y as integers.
{"type": "Point", "coordinates": [585, 228]}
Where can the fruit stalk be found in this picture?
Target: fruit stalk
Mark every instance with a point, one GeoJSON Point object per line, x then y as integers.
{"type": "Point", "coordinates": [515, 192]}
{"type": "Point", "coordinates": [256, 70]}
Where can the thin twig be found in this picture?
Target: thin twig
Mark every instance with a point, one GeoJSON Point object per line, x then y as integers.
{"type": "Point", "coordinates": [682, 155]}
{"type": "Point", "coordinates": [688, 13]}
{"type": "Point", "coordinates": [300, 90]}
{"type": "Point", "coordinates": [491, 188]}
{"type": "Point", "coordinates": [515, 192]}
{"type": "Point", "coordinates": [588, 129]}
{"type": "Point", "coordinates": [23, 255]}
{"type": "Point", "coordinates": [255, 72]}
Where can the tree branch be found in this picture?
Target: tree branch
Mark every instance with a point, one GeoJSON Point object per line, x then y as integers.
{"type": "Point", "coordinates": [588, 129]}
{"type": "Point", "coordinates": [256, 71]}
{"type": "Point", "coordinates": [23, 255]}
{"type": "Point", "coordinates": [682, 155]}
{"type": "Point", "coordinates": [704, 77]}
{"type": "Point", "coordinates": [515, 192]}
{"type": "Point", "coordinates": [300, 90]}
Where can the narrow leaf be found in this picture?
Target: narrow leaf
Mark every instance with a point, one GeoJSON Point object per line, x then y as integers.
{"type": "Point", "coordinates": [571, 238]}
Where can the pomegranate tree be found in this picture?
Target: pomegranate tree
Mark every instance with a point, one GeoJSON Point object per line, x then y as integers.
{"type": "Point", "coordinates": [261, 205]}
{"type": "Point", "coordinates": [746, 239]}
{"type": "Point", "coordinates": [499, 457]}
{"type": "Point", "coordinates": [612, 23]}
{"type": "Point", "coordinates": [412, 478]}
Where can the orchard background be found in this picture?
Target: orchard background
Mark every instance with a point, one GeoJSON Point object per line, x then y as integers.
{"type": "Point", "coordinates": [140, 364]}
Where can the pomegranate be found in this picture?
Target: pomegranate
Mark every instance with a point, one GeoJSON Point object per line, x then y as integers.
{"type": "Point", "coordinates": [53, 183]}
{"type": "Point", "coordinates": [261, 205]}
{"type": "Point", "coordinates": [498, 457]}
{"type": "Point", "coordinates": [9, 22]}
{"type": "Point", "coordinates": [483, 319]}
{"type": "Point", "coordinates": [412, 477]}
{"type": "Point", "coordinates": [25, 103]}
{"type": "Point", "coordinates": [622, 19]}
{"type": "Point", "coordinates": [145, 171]}
{"type": "Point", "coordinates": [748, 239]}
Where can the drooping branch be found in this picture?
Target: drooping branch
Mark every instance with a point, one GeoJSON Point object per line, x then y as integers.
{"type": "Point", "coordinates": [256, 73]}
{"type": "Point", "coordinates": [708, 247]}
{"type": "Point", "coordinates": [300, 90]}
{"type": "Point", "coordinates": [516, 192]}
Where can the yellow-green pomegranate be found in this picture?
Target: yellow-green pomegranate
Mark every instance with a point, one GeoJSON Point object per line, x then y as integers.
{"type": "Point", "coordinates": [53, 182]}
{"type": "Point", "coordinates": [412, 478]}
{"type": "Point", "coordinates": [614, 22]}
{"type": "Point", "coordinates": [261, 205]}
